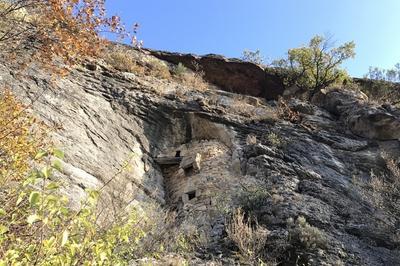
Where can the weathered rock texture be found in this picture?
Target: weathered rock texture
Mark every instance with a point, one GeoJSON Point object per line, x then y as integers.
{"type": "Point", "coordinates": [104, 117]}
{"type": "Point", "coordinates": [363, 119]}
{"type": "Point", "coordinates": [231, 75]}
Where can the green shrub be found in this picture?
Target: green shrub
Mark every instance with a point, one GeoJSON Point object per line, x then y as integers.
{"type": "Point", "coordinates": [254, 196]}
{"type": "Point", "coordinates": [254, 57]}
{"type": "Point", "coordinates": [317, 65]}
{"type": "Point", "coordinates": [308, 236]}
{"type": "Point", "coordinates": [179, 70]}
{"type": "Point", "coordinates": [38, 227]}
{"type": "Point", "coordinates": [274, 140]}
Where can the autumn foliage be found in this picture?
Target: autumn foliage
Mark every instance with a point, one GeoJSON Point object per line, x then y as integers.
{"type": "Point", "coordinates": [49, 30]}
{"type": "Point", "coordinates": [21, 137]}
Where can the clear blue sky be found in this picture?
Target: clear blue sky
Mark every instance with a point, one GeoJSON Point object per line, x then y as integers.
{"type": "Point", "coordinates": [228, 27]}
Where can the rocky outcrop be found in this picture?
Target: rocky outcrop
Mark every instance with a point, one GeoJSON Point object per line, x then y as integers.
{"type": "Point", "coordinates": [232, 75]}
{"type": "Point", "coordinates": [313, 176]}
{"type": "Point", "coordinates": [102, 117]}
{"type": "Point", "coordinates": [361, 117]}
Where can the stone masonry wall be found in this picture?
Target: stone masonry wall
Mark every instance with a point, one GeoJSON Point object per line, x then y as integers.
{"type": "Point", "coordinates": [196, 194]}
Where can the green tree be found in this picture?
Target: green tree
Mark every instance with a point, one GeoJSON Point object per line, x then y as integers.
{"type": "Point", "coordinates": [317, 65]}
{"type": "Point", "coordinates": [253, 57]}
{"type": "Point", "coordinates": [389, 75]}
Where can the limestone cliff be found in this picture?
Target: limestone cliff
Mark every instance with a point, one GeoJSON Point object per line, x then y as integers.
{"type": "Point", "coordinates": [198, 152]}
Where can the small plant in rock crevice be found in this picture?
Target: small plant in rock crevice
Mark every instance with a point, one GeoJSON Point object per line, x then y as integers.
{"type": "Point", "coordinates": [286, 113]}
{"type": "Point", "coordinates": [308, 236]}
{"type": "Point", "coordinates": [249, 237]}
{"type": "Point", "coordinates": [253, 196]}
{"type": "Point", "coordinates": [179, 70]}
{"type": "Point", "coordinates": [303, 240]}
{"type": "Point", "coordinates": [187, 77]}
{"type": "Point", "coordinates": [274, 140]}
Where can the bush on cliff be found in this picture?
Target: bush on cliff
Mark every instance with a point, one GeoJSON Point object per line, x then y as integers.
{"type": "Point", "coordinates": [316, 65]}
{"type": "Point", "coordinates": [44, 32]}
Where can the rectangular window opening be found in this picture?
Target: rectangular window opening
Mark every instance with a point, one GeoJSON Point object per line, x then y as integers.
{"type": "Point", "coordinates": [191, 195]}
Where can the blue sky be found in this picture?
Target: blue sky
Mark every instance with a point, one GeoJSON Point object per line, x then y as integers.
{"type": "Point", "coordinates": [228, 27]}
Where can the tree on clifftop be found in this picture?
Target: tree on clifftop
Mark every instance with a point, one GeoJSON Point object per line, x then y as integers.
{"type": "Point", "coordinates": [317, 65]}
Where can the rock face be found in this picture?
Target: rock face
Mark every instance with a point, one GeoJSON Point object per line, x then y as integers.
{"type": "Point", "coordinates": [231, 75]}
{"type": "Point", "coordinates": [105, 117]}
{"type": "Point", "coordinates": [362, 118]}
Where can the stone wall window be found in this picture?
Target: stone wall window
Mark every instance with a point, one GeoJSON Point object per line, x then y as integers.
{"type": "Point", "coordinates": [189, 196]}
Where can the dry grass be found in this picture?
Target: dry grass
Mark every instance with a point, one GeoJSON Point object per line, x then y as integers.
{"type": "Point", "coordinates": [123, 62]}
{"type": "Point", "coordinates": [249, 239]}
{"type": "Point", "coordinates": [285, 112]}
{"type": "Point", "coordinates": [251, 139]}
{"type": "Point", "coordinates": [383, 191]}
{"type": "Point", "coordinates": [167, 237]}
{"type": "Point", "coordinates": [158, 69]}
{"type": "Point", "coordinates": [386, 190]}
{"type": "Point", "coordinates": [309, 236]}
{"type": "Point", "coordinates": [193, 79]}
{"type": "Point", "coordinates": [141, 65]}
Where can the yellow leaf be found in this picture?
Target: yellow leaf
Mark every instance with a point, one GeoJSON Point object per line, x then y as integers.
{"type": "Point", "coordinates": [34, 197]}
{"type": "Point", "coordinates": [33, 218]}
{"type": "Point", "coordinates": [3, 229]}
{"type": "Point", "coordinates": [64, 238]}
{"type": "Point", "coordinates": [40, 155]}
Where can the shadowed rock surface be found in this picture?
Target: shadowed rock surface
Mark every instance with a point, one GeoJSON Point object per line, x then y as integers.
{"type": "Point", "coordinates": [232, 75]}
{"type": "Point", "coordinates": [104, 117]}
{"type": "Point", "coordinates": [360, 116]}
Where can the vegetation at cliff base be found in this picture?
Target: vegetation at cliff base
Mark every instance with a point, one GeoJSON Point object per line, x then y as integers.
{"type": "Point", "coordinates": [38, 225]}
